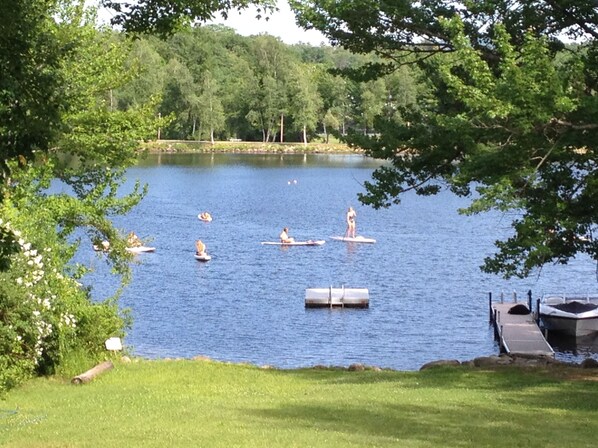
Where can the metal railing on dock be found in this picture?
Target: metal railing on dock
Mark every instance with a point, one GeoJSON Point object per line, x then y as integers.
{"type": "Point", "coordinates": [516, 328]}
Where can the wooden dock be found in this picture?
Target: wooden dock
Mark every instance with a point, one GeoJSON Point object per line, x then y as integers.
{"type": "Point", "coordinates": [517, 330]}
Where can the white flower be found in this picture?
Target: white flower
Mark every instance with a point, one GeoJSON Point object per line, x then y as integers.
{"type": "Point", "coordinates": [19, 281]}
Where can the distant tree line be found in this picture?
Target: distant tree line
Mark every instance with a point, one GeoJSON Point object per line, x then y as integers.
{"type": "Point", "coordinates": [214, 84]}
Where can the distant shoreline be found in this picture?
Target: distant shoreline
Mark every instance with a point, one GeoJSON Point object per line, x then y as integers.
{"type": "Point", "coordinates": [193, 146]}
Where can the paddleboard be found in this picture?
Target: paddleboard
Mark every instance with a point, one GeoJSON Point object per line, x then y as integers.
{"type": "Point", "coordinates": [140, 249]}
{"type": "Point", "coordinates": [357, 239]}
{"type": "Point", "coordinates": [296, 243]}
{"type": "Point", "coordinates": [205, 257]}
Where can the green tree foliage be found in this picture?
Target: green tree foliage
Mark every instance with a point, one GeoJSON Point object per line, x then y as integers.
{"type": "Point", "coordinates": [504, 107]}
{"type": "Point", "coordinates": [180, 99]}
{"type": "Point", "coordinates": [271, 70]}
{"type": "Point", "coordinates": [165, 16]}
{"type": "Point", "coordinates": [30, 81]}
{"type": "Point", "coordinates": [145, 61]}
{"type": "Point", "coordinates": [305, 101]}
{"type": "Point", "coordinates": [46, 317]}
{"type": "Point", "coordinates": [211, 113]}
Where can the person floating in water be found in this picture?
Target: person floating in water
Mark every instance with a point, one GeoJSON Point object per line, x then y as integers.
{"type": "Point", "coordinates": [205, 216]}
{"type": "Point", "coordinates": [284, 236]}
{"type": "Point", "coordinates": [351, 224]}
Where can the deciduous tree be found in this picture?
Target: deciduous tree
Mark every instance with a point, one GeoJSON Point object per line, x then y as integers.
{"type": "Point", "coordinates": [509, 110]}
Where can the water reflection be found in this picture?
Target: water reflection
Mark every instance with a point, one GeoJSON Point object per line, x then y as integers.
{"type": "Point", "coordinates": [571, 348]}
{"type": "Point", "coordinates": [256, 160]}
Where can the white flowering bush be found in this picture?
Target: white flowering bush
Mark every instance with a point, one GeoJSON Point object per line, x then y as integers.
{"type": "Point", "coordinates": [45, 315]}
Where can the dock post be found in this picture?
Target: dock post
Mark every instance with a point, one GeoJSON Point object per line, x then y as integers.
{"type": "Point", "coordinates": [502, 297]}
{"type": "Point", "coordinates": [529, 300]}
{"type": "Point", "coordinates": [538, 310]}
{"type": "Point", "coordinates": [490, 305]}
{"type": "Point", "coordinates": [514, 296]}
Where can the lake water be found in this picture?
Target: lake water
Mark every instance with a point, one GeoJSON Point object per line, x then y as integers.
{"type": "Point", "coordinates": [428, 297]}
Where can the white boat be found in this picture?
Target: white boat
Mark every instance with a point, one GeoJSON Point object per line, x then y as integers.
{"type": "Point", "coordinates": [337, 297]}
{"type": "Point", "coordinates": [295, 243]}
{"type": "Point", "coordinates": [140, 249]}
{"type": "Point", "coordinates": [357, 239]}
{"type": "Point", "coordinates": [203, 257]}
{"type": "Point", "coordinates": [574, 315]}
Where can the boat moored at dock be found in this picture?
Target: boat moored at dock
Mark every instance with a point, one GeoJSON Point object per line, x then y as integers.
{"type": "Point", "coordinates": [573, 315]}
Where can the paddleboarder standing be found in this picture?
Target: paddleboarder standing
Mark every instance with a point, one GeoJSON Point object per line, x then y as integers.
{"type": "Point", "coordinates": [351, 224]}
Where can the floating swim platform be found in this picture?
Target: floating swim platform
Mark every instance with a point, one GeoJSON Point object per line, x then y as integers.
{"type": "Point", "coordinates": [337, 297]}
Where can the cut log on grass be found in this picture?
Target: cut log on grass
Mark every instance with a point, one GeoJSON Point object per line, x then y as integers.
{"type": "Point", "coordinates": [86, 377]}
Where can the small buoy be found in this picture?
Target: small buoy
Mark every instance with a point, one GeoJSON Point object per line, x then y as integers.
{"type": "Point", "coordinates": [295, 181]}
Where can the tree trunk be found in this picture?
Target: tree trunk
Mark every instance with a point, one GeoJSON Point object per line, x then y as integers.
{"type": "Point", "coordinates": [305, 135]}
{"type": "Point", "coordinates": [325, 133]}
{"type": "Point", "coordinates": [281, 126]}
{"type": "Point", "coordinates": [86, 377]}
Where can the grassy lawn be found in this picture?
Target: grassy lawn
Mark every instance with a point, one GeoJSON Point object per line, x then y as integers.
{"type": "Point", "coordinates": [211, 404]}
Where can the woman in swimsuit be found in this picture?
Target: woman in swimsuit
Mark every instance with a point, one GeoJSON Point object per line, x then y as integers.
{"type": "Point", "coordinates": [351, 215]}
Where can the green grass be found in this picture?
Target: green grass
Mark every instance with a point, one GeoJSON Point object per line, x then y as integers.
{"type": "Point", "coordinates": [211, 404]}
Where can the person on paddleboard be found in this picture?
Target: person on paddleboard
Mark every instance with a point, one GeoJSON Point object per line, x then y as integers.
{"type": "Point", "coordinates": [351, 224]}
{"type": "Point", "coordinates": [284, 236]}
{"type": "Point", "coordinates": [200, 248]}
{"type": "Point", "coordinates": [133, 240]}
